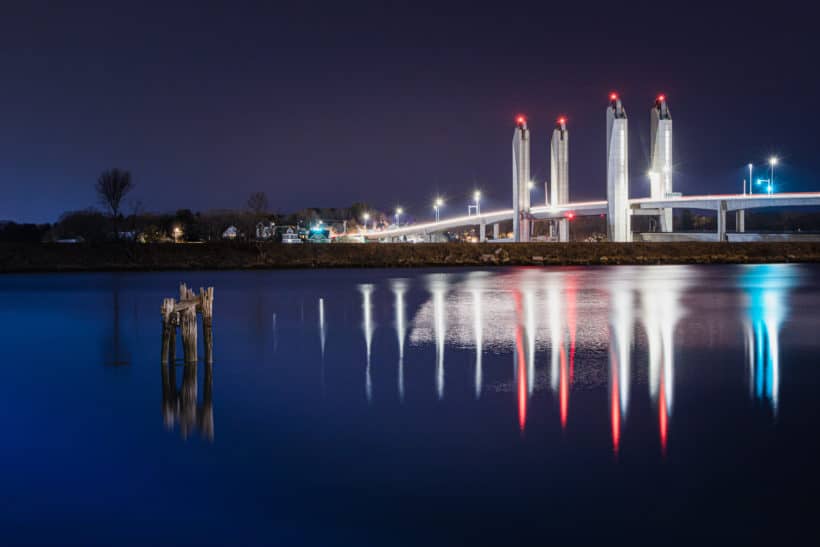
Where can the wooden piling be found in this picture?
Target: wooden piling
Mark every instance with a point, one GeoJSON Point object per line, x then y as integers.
{"type": "Point", "coordinates": [206, 298]}
{"type": "Point", "coordinates": [184, 314]}
{"type": "Point", "coordinates": [168, 334]}
{"type": "Point", "coordinates": [187, 319]}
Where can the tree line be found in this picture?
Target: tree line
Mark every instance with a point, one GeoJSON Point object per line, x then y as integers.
{"type": "Point", "coordinates": [112, 222]}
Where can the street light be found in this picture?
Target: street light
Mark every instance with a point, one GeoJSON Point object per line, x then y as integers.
{"type": "Point", "coordinates": [366, 217]}
{"type": "Point", "coordinates": [437, 205]}
{"type": "Point", "coordinates": [477, 199]}
{"type": "Point", "coordinates": [750, 181]}
{"type": "Point", "coordinates": [768, 184]}
{"type": "Point", "coordinates": [399, 212]}
{"type": "Point", "coordinates": [530, 186]}
{"type": "Point", "coordinates": [772, 162]}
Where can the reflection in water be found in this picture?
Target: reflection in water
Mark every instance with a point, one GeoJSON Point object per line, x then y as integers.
{"type": "Point", "coordinates": [367, 325]}
{"type": "Point", "coordinates": [529, 313]}
{"type": "Point", "coordinates": [542, 306]}
{"type": "Point", "coordinates": [438, 286]}
{"type": "Point", "coordinates": [180, 405]}
{"type": "Point", "coordinates": [476, 284]}
{"type": "Point", "coordinates": [399, 288]}
{"type": "Point", "coordinates": [322, 337]}
{"type": "Point", "coordinates": [766, 287]}
{"type": "Point", "coordinates": [520, 360]}
{"type": "Point", "coordinates": [620, 325]}
{"type": "Point", "coordinates": [322, 332]}
{"type": "Point", "coordinates": [661, 310]}
{"type": "Point", "coordinates": [558, 319]}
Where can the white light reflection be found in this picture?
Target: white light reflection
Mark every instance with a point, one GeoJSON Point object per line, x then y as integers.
{"type": "Point", "coordinates": [399, 287]}
{"type": "Point", "coordinates": [476, 285]}
{"type": "Point", "coordinates": [620, 326]}
{"type": "Point", "coordinates": [554, 313]}
{"type": "Point", "coordinates": [322, 327]}
{"type": "Point", "coordinates": [438, 287]}
{"type": "Point", "coordinates": [529, 314]}
{"type": "Point", "coordinates": [661, 289]}
{"type": "Point", "coordinates": [367, 326]}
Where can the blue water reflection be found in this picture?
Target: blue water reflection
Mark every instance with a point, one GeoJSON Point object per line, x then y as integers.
{"type": "Point", "coordinates": [413, 407]}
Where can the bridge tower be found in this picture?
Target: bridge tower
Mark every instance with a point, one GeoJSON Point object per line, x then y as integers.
{"type": "Point", "coordinates": [521, 180]}
{"type": "Point", "coordinates": [660, 174]}
{"type": "Point", "coordinates": [617, 171]}
{"type": "Point", "coordinates": [559, 173]}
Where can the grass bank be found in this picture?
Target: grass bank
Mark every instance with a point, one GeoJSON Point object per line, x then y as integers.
{"type": "Point", "coordinates": [216, 256]}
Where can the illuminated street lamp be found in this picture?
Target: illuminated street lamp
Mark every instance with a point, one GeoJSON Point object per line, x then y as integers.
{"type": "Point", "coordinates": [750, 181]}
{"type": "Point", "coordinates": [366, 217]}
{"type": "Point", "coordinates": [767, 182]}
{"type": "Point", "coordinates": [399, 212]}
{"type": "Point", "coordinates": [437, 205]}
{"type": "Point", "coordinates": [177, 231]}
{"type": "Point", "coordinates": [772, 162]}
{"type": "Point", "coordinates": [477, 199]}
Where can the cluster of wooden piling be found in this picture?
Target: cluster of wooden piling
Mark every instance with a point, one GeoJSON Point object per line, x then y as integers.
{"type": "Point", "coordinates": [183, 315]}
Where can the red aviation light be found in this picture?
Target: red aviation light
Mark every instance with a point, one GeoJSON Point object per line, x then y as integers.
{"type": "Point", "coordinates": [613, 96]}
{"type": "Point", "coordinates": [562, 120]}
{"type": "Point", "coordinates": [521, 119]}
{"type": "Point", "coordinates": [661, 98]}
{"type": "Point", "coordinates": [570, 215]}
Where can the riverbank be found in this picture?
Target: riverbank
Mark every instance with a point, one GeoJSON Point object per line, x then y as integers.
{"type": "Point", "coordinates": [221, 256]}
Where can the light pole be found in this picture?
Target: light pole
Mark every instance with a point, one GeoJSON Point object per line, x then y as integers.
{"type": "Point", "coordinates": [477, 199]}
{"type": "Point", "coordinates": [366, 217]}
{"type": "Point", "coordinates": [399, 212]}
{"type": "Point", "coordinates": [750, 180]}
{"type": "Point", "coordinates": [772, 163]}
{"type": "Point", "coordinates": [768, 184]}
{"type": "Point", "coordinates": [437, 205]}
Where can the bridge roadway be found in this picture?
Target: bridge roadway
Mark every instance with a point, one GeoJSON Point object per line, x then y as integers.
{"type": "Point", "coordinates": [639, 206]}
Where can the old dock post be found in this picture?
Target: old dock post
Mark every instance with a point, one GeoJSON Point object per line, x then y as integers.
{"type": "Point", "coordinates": [184, 314]}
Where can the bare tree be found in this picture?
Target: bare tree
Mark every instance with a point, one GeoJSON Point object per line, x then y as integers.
{"type": "Point", "coordinates": [112, 187]}
{"type": "Point", "coordinates": [258, 203]}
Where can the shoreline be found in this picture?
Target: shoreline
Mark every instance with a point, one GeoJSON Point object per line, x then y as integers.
{"type": "Point", "coordinates": [33, 258]}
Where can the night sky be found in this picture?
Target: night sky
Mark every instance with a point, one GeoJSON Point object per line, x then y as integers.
{"type": "Point", "coordinates": [392, 103]}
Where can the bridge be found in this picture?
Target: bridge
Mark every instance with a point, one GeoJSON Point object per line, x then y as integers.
{"type": "Point", "coordinates": [722, 204]}
{"type": "Point", "coordinates": [618, 207]}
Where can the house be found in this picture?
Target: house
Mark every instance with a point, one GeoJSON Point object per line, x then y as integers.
{"type": "Point", "coordinates": [265, 229]}
{"type": "Point", "coordinates": [231, 232]}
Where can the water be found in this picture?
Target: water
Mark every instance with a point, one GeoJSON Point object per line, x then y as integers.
{"type": "Point", "coordinates": [389, 407]}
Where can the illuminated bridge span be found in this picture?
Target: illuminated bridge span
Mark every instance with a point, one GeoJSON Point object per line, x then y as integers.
{"type": "Point", "coordinates": [618, 208]}
{"type": "Point", "coordinates": [641, 206]}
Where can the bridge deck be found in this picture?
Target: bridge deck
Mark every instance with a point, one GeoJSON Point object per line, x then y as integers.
{"type": "Point", "coordinates": [734, 202]}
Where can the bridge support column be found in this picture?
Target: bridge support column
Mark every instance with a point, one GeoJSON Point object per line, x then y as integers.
{"type": "Point", "coordinates": [482, 232]}
{"type": "Point", "coordinates": [740, 221]}
{"type": "Point", "coordinates": [563, 230]}
{"type": "Point", "coordinates": [721, 221]}
{"type": "Point", "coordinates": [496, 231]}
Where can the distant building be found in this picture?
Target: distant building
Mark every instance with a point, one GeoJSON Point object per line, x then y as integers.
{"type": "Point", "coordinates": [266, 230]}
{"type": "Point", "coordinates": [230, 233]}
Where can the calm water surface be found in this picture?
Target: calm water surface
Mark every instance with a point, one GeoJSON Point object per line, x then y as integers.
{"type": "Point", "coordinates": [389, 407]}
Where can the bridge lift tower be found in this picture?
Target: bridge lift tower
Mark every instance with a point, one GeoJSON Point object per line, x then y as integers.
{"type": "Point", "coordinates": [617, 171]}
{"type": "Point", "coordinates": [660, 174]}
{"type": "Point", "coordinates": [521, 180]}
{"type": "Point", "coordinates": [559, 173]}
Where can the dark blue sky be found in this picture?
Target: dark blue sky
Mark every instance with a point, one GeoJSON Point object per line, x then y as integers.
{"type": "Point", "coordinates": [393, 102]}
